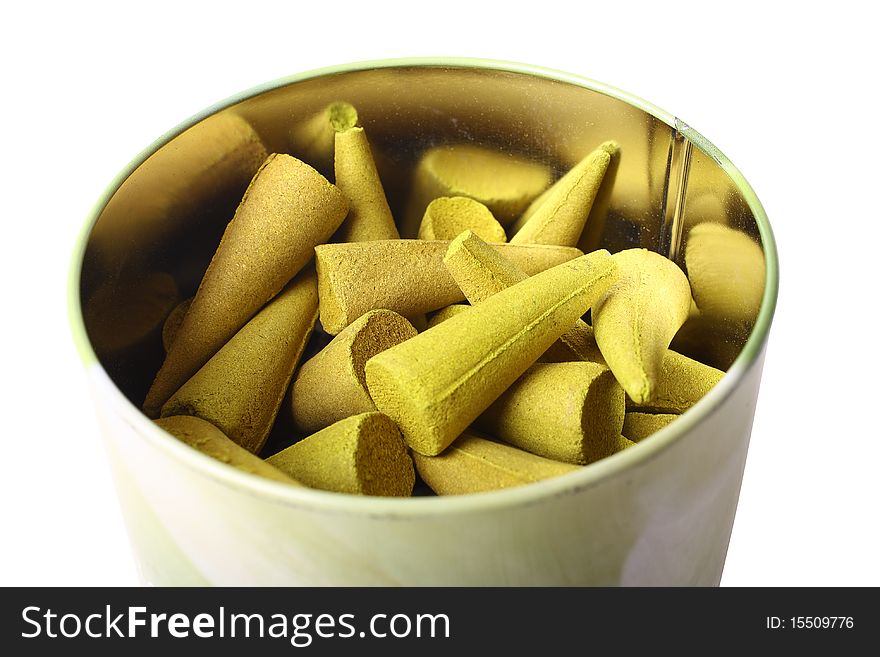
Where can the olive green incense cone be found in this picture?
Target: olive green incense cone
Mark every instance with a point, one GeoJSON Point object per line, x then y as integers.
{"type": "Point", "coordinates": [313, 140]}
{"type": "Point", "coordinates": [173, 322]}
{"type": "Point", "coordinates": [726, 272]}
{"type": "Point", "coordinates": [288, 209]}
{"type": "Point", "coordinates": [635, 320]}
{"type": "Point", "coordinates": [481, 271]}
{"type": "Point", "coordinates": [369, 217]}
{"type": "Point", "coordinates": [681, 384]}
{"type": "Point", "coordinates": [503, 182]}
{"type": "Point", "coordinates": [570, 412]}
{"type": "Point", "coordinates": [332, 385]}
{"type": "Point", "coordinates": [560, 217]}
{"type": "Point", "coordinates": [448, 216]}
{"type": "Point", "coordinates": [362, 455]}
{"type": "Point", "coordinates": [591, 237]}
{"type": "Point", "coordinates": [208, 439]}
{"type": "Point", "coordinates": [474, 465]}
{"type": "Point", "coordinates": [435, 384]}
{"type": "Point", "coordinates": [638, 426]}
{"type": "Point", "coordinates": [445, 313]}
{"type": "Point", "coordinates": [122, 314]}
{"type": "Point", "coordinates": [406, 276]}
{"type": "Point", "coordinates": [240, 389]}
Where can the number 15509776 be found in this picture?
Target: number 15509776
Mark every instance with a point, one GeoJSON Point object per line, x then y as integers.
{"type": "Point", "coordinates": [810, 623]}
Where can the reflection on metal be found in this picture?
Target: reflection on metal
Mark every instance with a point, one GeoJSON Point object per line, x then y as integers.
{"type": "Point", "coordinates": [677, 174]}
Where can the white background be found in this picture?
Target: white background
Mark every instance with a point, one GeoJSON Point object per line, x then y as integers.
{"type": "Point", "coordinates": [785, 92]}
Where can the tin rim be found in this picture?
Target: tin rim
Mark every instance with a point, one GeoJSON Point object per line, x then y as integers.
{"type": "Point", "coordinates": [585, 478]}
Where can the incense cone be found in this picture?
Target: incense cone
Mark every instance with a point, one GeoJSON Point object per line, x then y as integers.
{"type": "Point", "coordinates": [481, 271]}
{"type": "Point", "coordinates": [681, 384]}
{"type": "Point", "coordinates": [361, 455]}
{"type": "Point", "coordinates": [562, 212]}
{"type": "Point", "coordinates": [173, 322]}
{"type": "Point", "coordinates": [435, 384]}
{"type": "Point", "coordinates": [209, 440]}
{"type": "Point", "coordinates": [332, 386]}
{"type": "Point", "coordinates": [240, 389]}
{"type": "Point", "coordinates": [406, 276]}
{"type": "Point", "coordinates": [638, 426]}
{"type": "Point", "coordinates": [570, 412]}
{"type": "Point", "coordinates": [313, 139]}
{"type": "Point", "coordinates": [445, 313]}
{"type": "Point", "coordinates": [473, 465]}
{"type": "Point", "coordinates": [503, 182]}
{"type": "Point", "coordinates": [369, 217]}
{"type": "Point", "coordinates": [635, 320]}
{"type": "Point", "coordinates": [448, 216]}
{"type": "Point", "coordinates": [287, 210]}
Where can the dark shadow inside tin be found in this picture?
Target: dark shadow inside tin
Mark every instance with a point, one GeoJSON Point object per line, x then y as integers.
{"type": "Point", "coordinates": [158, 231]}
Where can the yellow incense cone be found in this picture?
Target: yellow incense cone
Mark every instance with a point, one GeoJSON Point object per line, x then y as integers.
{"type": "Point", "coordinates": [173, 322]}
{"type": "Point", "coordinates": [594, 230]}
{"type": "Point", "coordinates": [635, 320]}
{"type": "Point", "coordinates": [445, 313]}
{"type": "Point", "coordinates": [209, 440]}
{"type": "Point", "coordinates": [369, 217]}
{"type": "Point", "coordinates": [406, 276]}
{"type": "Point", "coordinates": [448, 216]}
{"type": "Point", "coordinates": [362, 455]}
{"type": "Point", "coordinates": [435, 384]}
{"type": "Point", "coordinates": [287, 210]}
{"type": "Point", "coordinates": [213, 160]}
{"type": "Point", "coordinates": [313, 140]}
{"type": "Point", "coordinates": [503, 182]}
{"type": "Point", "coordinates": [681, 384]}
{"type": "Point", "coordinates": [570, 412]}
{"type": "Point", "coordinates": [562, 213]}
{"type": "Point", "coordinates": [474, 465]}
{"type": "Point", "coordinates": [638, 426]}
{"type": "Point", "coordinates": [481, 271]}
{"type": "Point", "coordinates": [726, 272]}
{"type": "Point", "coordinates": [240, 389]}
{"type": "Point", "coordinates": [331, 386]}
{"type": "Point", "coordinates": [123, 314]}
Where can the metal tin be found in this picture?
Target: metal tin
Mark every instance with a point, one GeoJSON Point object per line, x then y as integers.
{"type": "Point", "coordinates": [660, 513]}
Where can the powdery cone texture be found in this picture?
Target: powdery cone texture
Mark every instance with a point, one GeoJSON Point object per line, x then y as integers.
{"type": "Point", "coordinates": [331, 385]}
{"type": "Point", "coordinates": [240, 389]}
{"type": "Point", "coordinates": [474, 465]}
{"type": "Point", "coordinates": [369, 217]}
{"type": "Point", "coordinates": [636, 319]}
{"type": "Point", "coordinates": [406, 276]}
{"type": "Point", "coordinates": [638, 426]}
{"type": "Point", "coordinates": [172, 323]}
{"type": "Point", "coordinates": [313, 139]}
{"type": "Point", "coordinates": [726, 270]}
{"type": "Point", "coordinates": [361, 455]}
{"type": "Point", "coordinates": [682, 383]}
{"type": "Point", "coordinates": [435, 384]}
{"type": "Point", "coordinates": [445, 313]}
{"type": "Point", "coordinates": [209, 440]}
{"type": "Point", "coordinates": [562, 212]}
{"type": "Point", "coordinates": [503, 182]}
{"type": "Point", "coordinates": [571, 412]}
{"type": "Point", "coordinates": [481, 271]}
{"type": "Point", "coordinates": [446, 217]}
{"type": "Point", "coordinates": [287, 210]}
